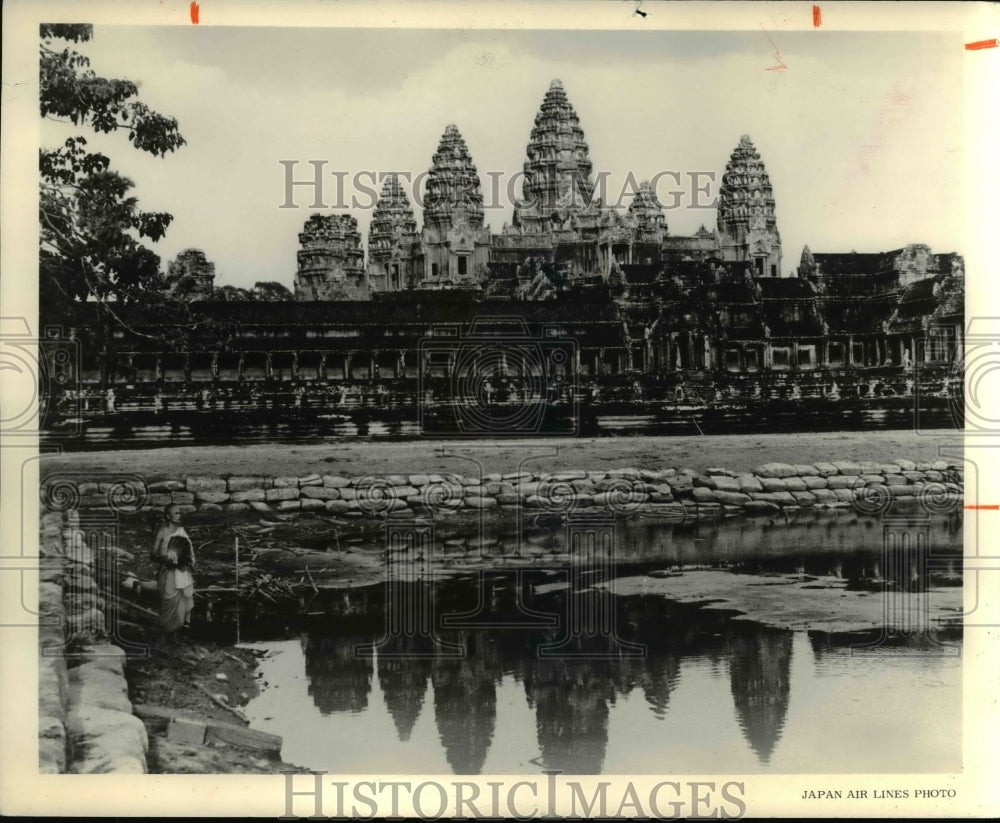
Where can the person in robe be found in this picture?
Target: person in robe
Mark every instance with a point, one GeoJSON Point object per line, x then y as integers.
{"type": "Point", "coordinates": [174, 554]}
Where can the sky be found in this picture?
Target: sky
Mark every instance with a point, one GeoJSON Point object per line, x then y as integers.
{"type": "Point", "coordinates": [860, 132]}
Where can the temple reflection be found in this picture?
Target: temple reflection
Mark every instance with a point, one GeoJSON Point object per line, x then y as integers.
{"type": "Point", "coordinates": [465, 707]}
{"type": "Point", "coordinates": [339, 679]}
{"type": "Point", "coordinates": [759, 667]}
{"type": "Point", "coordinates": [403, 681]}
{"type": "Point", "coordinates": [570, 696]}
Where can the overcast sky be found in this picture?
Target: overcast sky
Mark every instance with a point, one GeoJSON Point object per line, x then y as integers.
{"type": "Point", "coordinates": [861, 133]}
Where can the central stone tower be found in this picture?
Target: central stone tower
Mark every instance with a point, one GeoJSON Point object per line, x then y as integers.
{"type": "Point", "coordinates": [557, 168]}
{"type": "Point", "coordinates": [748, 230]}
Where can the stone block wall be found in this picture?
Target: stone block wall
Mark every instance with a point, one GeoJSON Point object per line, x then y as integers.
{"type": "Point", "coordinates": [86, 724]}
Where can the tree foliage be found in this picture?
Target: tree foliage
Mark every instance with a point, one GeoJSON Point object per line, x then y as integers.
{"type": "Point", "coordinates": [270, 291]}
{"type": "Point", "coordinates": [91, 227]}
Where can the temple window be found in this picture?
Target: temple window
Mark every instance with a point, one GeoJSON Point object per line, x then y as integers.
{"type": "Point", "coordinates": [752, 358]}
{"type": "Point", "coordinates": [463, 264]}
{"type": "Point", "coordinates": [836, 354]}
{"type": "Point", "coordinates": [733, 359]}
{"type": "Point", "coordinates": [858, 354]}
{"type": "Point", "coordinates": [807, 356]}
{"type": "Point", "coordinates": [780, 358]}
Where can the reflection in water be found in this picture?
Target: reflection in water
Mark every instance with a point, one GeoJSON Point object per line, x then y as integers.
{"type": "Point", "coordinates": [572, 699]}
{"type": "Point", "coordinates": [571, 710]}
{"type": "Point", "coordinates": [759, 665]}
{"type": "Point", "coordinates": [339, 679]}
{"type": "Point", "coordinates": [465, 708]}
{"type": "Point", "coordinates": [737, 695]}
{"type": "Point", "coordinates": [403, 681]}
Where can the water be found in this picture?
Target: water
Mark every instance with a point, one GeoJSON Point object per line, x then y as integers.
{"type": "Point", "coordinates": [677, 690]}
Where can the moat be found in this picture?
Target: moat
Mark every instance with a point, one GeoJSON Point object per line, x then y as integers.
{"type": "Point", "coordinates": [660, 687]}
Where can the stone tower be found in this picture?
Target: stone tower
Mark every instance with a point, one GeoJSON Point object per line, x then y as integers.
{"type": "Point", "coordinates": [331, 260]}
{"type": "Point", "coordinates": [456, 245]}
{"type": "Point", "coordinates": [557, 168]}
{"type": "Point", "coordinates": [646, 216]}
{"type": "Point", "coordinates": [190, 275]}
{"type": "Point", "coordinates": [748, 230]}
{"type": "Point", "coordinates": [393, 240]}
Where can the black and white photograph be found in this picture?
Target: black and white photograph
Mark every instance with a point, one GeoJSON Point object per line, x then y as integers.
{"type": "Point", "coordinates": [492, 413]}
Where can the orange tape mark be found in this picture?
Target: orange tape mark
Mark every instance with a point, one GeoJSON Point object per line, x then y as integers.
{"type": "Point", "coordinates": [194, 12]}
{"type": "Point", "coordinates": [817, 17]}
{"type": "Point", "coordinates": [982, 44]}
{"type": "Point", "coordinates": [992, 508]}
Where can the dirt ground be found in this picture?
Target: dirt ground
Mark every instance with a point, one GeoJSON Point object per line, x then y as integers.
{"type": "Point", "coordinates": [738, 452]}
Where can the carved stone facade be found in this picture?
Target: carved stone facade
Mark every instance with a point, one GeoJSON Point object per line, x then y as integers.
{"type": "Point", "coordinates": [331, 260]}
{"type": "Point", "coordinates": [191, 275]}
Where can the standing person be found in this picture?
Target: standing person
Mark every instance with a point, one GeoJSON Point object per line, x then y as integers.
{"type": "Point", "coordinates": [173, 551]}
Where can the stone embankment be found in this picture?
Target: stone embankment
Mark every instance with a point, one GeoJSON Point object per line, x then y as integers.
{"type": "Point", "coordinates": [670, 492]}
{"type": "Point", "coordinates": [86, 724]}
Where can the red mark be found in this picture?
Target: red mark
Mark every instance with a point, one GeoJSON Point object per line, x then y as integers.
{"type": "Point", "coordinates": [982, 44]}
{"type": "Point", "coordinates": [991, 508]}
{"type": "Point", "coordinates": [817, 17]}
{"type": "Point", "coordinates": [777, 54]}
{"type": "Point", "coordinates": [194, 12]}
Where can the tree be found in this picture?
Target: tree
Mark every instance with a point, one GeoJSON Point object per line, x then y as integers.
{"type": "Point", "coordinates": [231, 294]}
{"type": "Point", "coordinates": [91, 228]}
{"type": "Point", "coordinates": [270, 291]}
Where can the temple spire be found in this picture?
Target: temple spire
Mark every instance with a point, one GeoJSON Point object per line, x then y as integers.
{"type": "Point", "coordinates": [557, 167]}
{"type": "Point", "coordinates": [456, 245]}
{"type": "Point", "coordinates": [646, 212]}
{"type": "Point", "coordinates": [393, 240]}
{"type": "Point", "coordinates": [747, 225]}
{"type": "Point", "coordinates": [453, 196]}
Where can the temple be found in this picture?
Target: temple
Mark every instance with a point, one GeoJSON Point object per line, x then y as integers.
{"type": "Point", "coordinates": [562, 234]}
{"type": "Point", "coordinates": [708, 318]}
